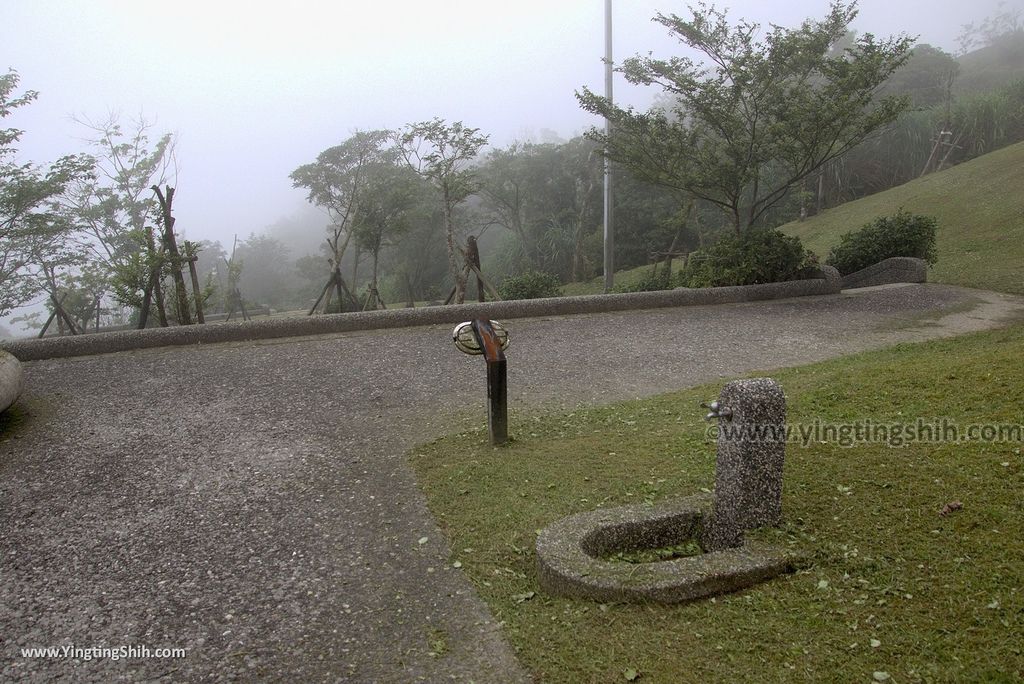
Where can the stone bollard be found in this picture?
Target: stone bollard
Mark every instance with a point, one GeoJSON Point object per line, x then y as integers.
{"type": "Point", "coordinates": [748, 470]}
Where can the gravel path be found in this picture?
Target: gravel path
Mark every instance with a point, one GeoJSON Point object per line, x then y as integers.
{"type": "Point", "coordinates": [250, 502]}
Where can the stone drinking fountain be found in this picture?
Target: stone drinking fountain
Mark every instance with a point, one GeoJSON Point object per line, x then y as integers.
{"type": "Point", "coordinates": [748, 495]}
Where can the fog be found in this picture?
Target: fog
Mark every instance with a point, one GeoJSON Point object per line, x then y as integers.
{"type": "Point", "coordinates": [253, 91]}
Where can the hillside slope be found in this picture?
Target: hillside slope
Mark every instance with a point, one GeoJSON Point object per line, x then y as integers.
{"type": "Point", "coordinates": [980, 209]}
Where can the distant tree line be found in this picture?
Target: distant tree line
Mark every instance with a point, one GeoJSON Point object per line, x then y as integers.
{"type": "Point", "coordinates": [767, 128]}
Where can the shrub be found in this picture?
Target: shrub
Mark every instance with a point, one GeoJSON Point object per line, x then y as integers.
{"type": "Point", "coordinates": [901, 235]}
{"type": "Point", "coordinates": [530, 285]}
{"type": "Point", "coordinates": [757, 256]}
{"type": "Point", "coordinates": [648, 282]}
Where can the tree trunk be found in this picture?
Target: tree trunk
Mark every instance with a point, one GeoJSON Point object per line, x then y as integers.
{"type": "Point", "coordinates": [147, 296]}
{"type": "Point", "coordinates": [337, 286]}
{"type": "Point", "coordinates": [411, 303]}
{"type": "Point", "coordinates": [161, 306]}
{"type": "Point", "coordinates": [821, 192]}
{"type": "Point", "coordinates": [171, 245]}
{"type": "Point", "coordinates": [473, 254]}
{"type": "Point", "coordinates": [456, 269]}
{"type": "Point", "coordinates": [378, 302]}
{"type": "Point", "coordinates": [355, 267]}
{"type": "Point", "coordinates": [196, 293]}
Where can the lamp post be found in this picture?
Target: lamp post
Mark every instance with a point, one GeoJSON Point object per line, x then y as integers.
{"type": "Point", "coordinates": [609, 228]}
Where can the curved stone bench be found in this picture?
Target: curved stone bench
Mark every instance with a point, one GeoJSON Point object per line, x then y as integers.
{"type": "Point", "coordinates": [888, 271]}
{"type": "Point", "coordinates": [10, 380]}
{"type": "Point", "coordinates": [569, 556]}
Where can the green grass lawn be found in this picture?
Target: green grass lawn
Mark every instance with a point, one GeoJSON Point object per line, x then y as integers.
{"type": "Point", "coordinates": [626, 278]}
{"type": "Point", "coordinates": [980, 209]}
{"type": "Point", "coordinates": [889, 586]}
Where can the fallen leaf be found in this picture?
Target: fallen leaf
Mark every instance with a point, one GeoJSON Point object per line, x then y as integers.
{"type": "Point", "coordinates": [881, 676]}
{"type": "Point", "coordinates": [424, 540]}
{"type": "Point", "coordinates": [631, 675]}
{"type": "Point", "coordinates": [950, 508]}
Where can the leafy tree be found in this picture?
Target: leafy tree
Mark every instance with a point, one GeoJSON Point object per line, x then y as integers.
{"type": "Point", "coordinates": [35, 236]}
{"type": "Point", "coordinates": [116, 209]}
{"type": "Point", "coordinates": [548, 196]}
{"type": "Point", "coordinates": [991, 30]}
{"type": "Point", "coordinates": [267, 277]}
{"type": "Point", "coordinates": [506, 186]}
{"type": "Point", "coordinates": [926, 77]}
{"type": "Point", "coordinates": [393, 191]}
{"type": "Point", "coordinates": [441, 152]}
{"type": "Point", "coordinates": [336, 182]}
{"type": "Point", "coordinates": [756, 117]}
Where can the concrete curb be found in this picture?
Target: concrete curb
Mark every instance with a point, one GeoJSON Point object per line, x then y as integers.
{"type": "Point", "coordinates": [103, 343]}
{"type": "Point", "coordinates": [888, 271]}
{"type": "Point", "coordinates": [10, 380]}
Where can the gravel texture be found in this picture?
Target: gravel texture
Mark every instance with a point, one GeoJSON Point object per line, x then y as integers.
{"type": "Point", "coordinates": [250, 502]}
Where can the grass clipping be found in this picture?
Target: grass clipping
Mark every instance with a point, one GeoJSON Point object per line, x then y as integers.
{"type": "Point", "coordinates": [916, 552]}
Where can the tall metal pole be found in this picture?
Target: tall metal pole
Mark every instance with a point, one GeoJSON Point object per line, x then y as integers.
{"type": "Point", "coordinates": [609, 228]}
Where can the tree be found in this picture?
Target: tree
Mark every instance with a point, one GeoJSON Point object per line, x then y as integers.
{"type": "Point", "coordinates": [267, 277]}
{"type": "Point", "coordinates": [926, 77]}
{"type": "Point", "coordinates": [441, 152]}
{"type": "Point", "coordinates": [755, 118]}
{"type": "Point", "coordinates": [392, 194]}
{"type": "Point", "coordinates": [35, 236]}
{"type": "Point", "coordinates": [505, 182]}
{"type": "Point", "coordinates": [116, 209]}
{"type": "Point", "coordinates": [991, 30]}
{"type": "Point", "coordinates": [335, 182]}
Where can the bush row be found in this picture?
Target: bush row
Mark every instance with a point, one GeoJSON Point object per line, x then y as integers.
{"type": "Point", "coordinates": [767, 256]}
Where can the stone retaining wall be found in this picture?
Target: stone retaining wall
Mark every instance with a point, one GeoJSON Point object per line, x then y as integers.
{"type": "Point", "coordinates": [106, 342]}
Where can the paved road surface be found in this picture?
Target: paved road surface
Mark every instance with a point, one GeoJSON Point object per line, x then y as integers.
{"type": "Point", "coordinates": [251, 504]}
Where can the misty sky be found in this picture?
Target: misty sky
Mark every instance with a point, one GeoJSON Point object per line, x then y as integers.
{"type": "Point", "coordinates": [254, 90]}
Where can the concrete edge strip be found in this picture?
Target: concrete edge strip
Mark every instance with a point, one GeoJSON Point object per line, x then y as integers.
{"type": "Point", "coordinates": [126, 340]}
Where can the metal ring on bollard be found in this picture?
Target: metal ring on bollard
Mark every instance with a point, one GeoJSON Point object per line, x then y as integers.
{"type": "Point", "coordinates": [466, 341]}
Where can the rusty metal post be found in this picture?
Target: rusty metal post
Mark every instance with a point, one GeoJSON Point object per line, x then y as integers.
{"type": "Point", "coordinates": [489, 338]}
{"type": "Point", "coordinates": [497, 387]}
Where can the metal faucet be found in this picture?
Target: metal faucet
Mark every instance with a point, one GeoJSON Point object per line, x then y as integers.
{"type": "Point", "coordinates": [716, 410]}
